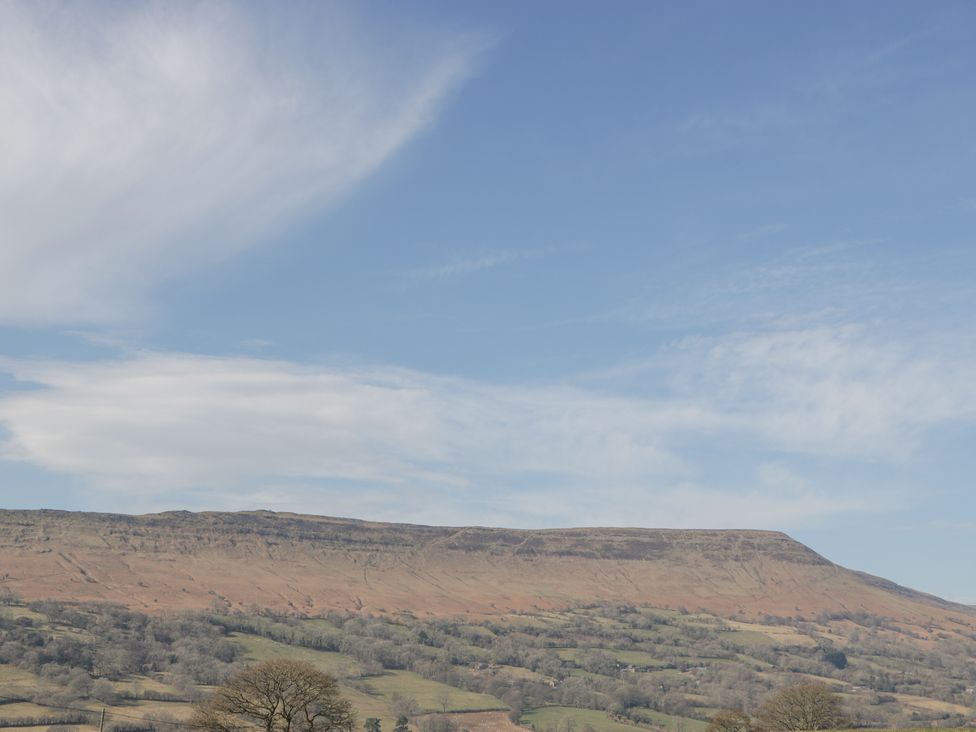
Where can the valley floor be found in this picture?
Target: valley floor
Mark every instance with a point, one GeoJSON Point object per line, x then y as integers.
{"type": "Point", "coordinates": [585, 669]}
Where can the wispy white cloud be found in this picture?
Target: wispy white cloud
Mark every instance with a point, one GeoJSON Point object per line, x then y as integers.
{"type": "Point", "coordinates": [839, 391]}
{"type": "Point", "coordinates": [143, 140]}
{"type": "Point", "coordinates": [161, 421]}
{"type": "Point", "coordinates": [240, 432]}
{"type": "Point", "coordinates": [857, 279]}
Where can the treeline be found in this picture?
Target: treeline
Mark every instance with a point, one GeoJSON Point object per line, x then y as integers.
{"type": "Point", "coordinates": [694, 663]}
{"type": "Point", "coordinates": [716, 668]}
{"type": "Point", "coordinates": [47, 721]}
{"type": "Point", "coordinates": [292, 634]}
{"type": "Point", "coordinates": [81, 648]}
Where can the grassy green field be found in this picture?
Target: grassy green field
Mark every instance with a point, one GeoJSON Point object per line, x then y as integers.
{"type": "Point", "coordinates": [747, 638]}
{"type": "Point", "coordinates": [262, 649]}
{"type": "Point", "coordinates": [568, 654]}
{"type": "Point", "coordinates": [637, 658]}
{"type": "Point", "coordinates": [524, 673]}
{"type": "Point", "coordinates": [431, 694]}
{"type": "Point", "coordinates": [367, 705]}
{"type": "Point", "coordinates": [625, 658]}
{"type": "Point", "coordinates": [506, 657]}
{"type": "Point", "coordinates": [666, 674]}
{"type": "Point", "coordinates": [671, 722]}
{"type": "Point", "coordinates": [544, 717]}
{"type": "Point", "coordinates": [140, 684]}
{"type": "Point", "coordinates": [320, 624]}
{"type": "Point", "coordinates": [20, 710]}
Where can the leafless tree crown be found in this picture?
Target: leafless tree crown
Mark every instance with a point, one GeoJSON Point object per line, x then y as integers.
{"type": "Point", "coordinates": [280, 695]}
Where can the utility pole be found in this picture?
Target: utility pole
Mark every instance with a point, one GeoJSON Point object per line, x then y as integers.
{"type": "Point", "coordinates": [101, 722]}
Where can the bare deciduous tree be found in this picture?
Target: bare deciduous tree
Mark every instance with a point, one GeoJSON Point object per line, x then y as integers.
{"type": "Point", "coordinates": [445, 699]}
{"type": "Point", "coordinates": [801, 707]}
{"type": "Point", "coordinates": [730, 720]}
{"type": "Point", "coordinates": [277, 696]}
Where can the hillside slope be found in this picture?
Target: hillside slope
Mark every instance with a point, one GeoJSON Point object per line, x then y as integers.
{"type": "Point", "coordinates": [288, 562]}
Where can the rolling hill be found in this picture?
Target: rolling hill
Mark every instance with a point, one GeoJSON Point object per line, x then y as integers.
{"type": "Point", "coordinates": [600, 628]}
{"type": "Point", "coordinates": [310, 564]}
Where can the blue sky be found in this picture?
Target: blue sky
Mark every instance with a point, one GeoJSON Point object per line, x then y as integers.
{"type": "Point", "coordinates": [699, 264]}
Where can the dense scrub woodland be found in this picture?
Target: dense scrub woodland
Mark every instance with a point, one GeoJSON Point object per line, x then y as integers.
{"type": "Point", "coordinates": [605, 668]}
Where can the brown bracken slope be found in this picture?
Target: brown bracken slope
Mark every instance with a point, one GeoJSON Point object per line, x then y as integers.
{"type": "Point", "coordinates": [295, 563]}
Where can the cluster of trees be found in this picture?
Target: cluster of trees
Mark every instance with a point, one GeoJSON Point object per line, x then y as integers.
{"type": "Point", "coordinates": [811, 706]}
{"type": "Point", "coordinates": [80, 648]}
{"type": "Point", "coordinates": [285, 695]}
{"type": "Point", "coordinates": [372, 724]}
{"type": "Point", "coordinates": [59, 720]}
{"type": "Point", "coordinates": [716, 669]}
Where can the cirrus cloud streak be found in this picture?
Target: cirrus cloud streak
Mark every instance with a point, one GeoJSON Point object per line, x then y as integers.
{"type": "Point", "coordinates": [235, 432]}
{"type": "Point", "coordinates": [144, 140]}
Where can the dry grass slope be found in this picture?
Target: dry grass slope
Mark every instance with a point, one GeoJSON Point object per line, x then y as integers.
{"type": "Point", "coordinates": [308, 564]}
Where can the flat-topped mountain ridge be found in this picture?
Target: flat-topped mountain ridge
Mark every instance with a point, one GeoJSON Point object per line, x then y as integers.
{"type": "Point", "coordinates": [308, 564]}
{"type": "Point", "coordinates": [269, 528]}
